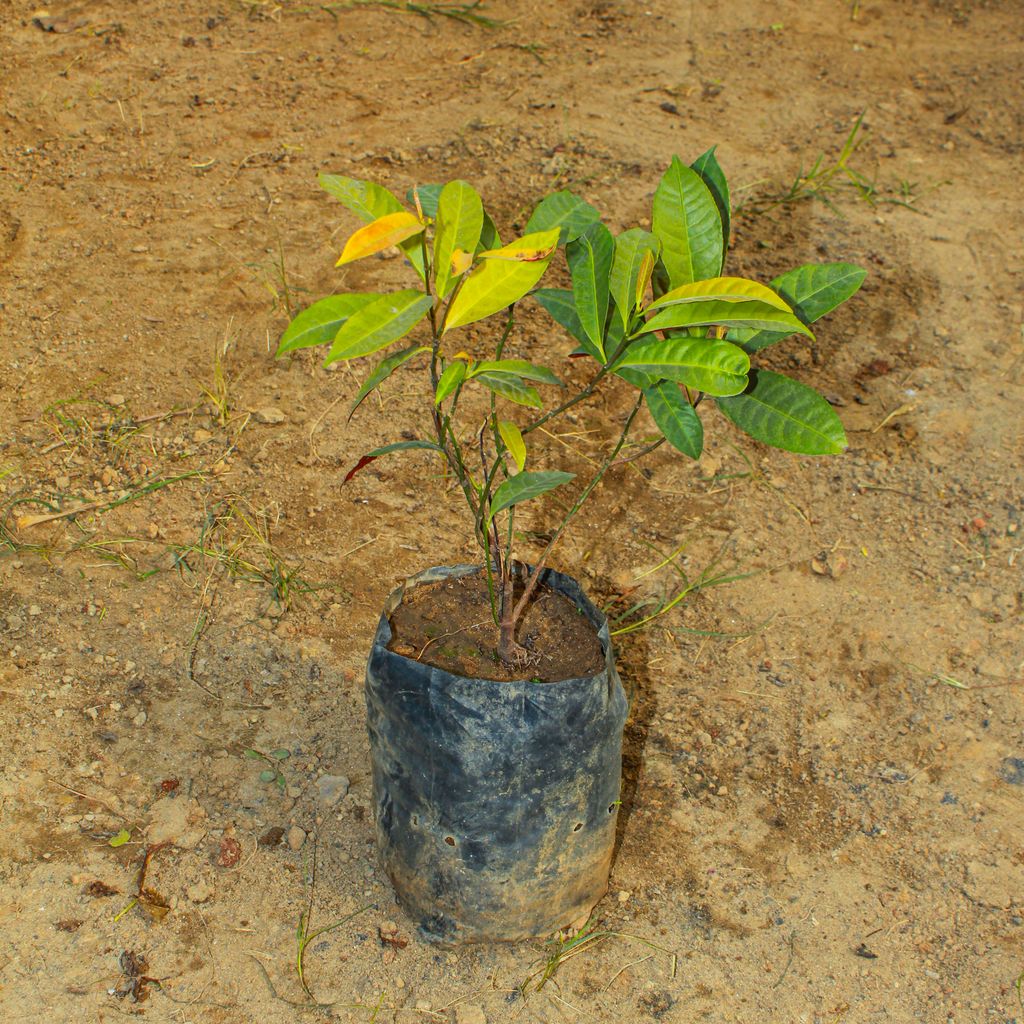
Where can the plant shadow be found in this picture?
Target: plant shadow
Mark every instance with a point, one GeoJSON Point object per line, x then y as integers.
{"type": "Point", "coordinates": [631, 655]}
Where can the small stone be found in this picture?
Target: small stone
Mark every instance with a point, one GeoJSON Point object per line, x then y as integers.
{"type": "Point", "coordinates": [1012, 771]}
{"type": "Point", "coordinates": [35, 610]}
{"type": "Point", "coordinates": [709, 465]}
{"type": "Point", "coordinates": [272, 837]}
{"type": "Point", "coordinates": [179, 820]}
{"type": "Point", "coordinates": [201, 436]}
{"type": "Point", "coordinates": [332, 788]}
{"type": "Point", "coordinates": [296, 837]}
{"type": "Point", "coordinates": [62, 483]}
{"type": "Point", "coordinates": [624, 896]}
{"type": "Point", "coordinates": [468, 1013]}
{"type": "Point", "coordinates": [115, 400]}
{"type": "Point", "coordinates": [229, 853]}
{"type": "Point", "coordinates": [200, 892]}
{"type": "Point", "coordinates": [139, 719]}
{"type": "Point", "coordinates": [270, 416]}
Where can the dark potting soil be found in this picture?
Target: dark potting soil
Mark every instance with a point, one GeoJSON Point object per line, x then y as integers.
{"type": "Point", "coordinates": [449, 624]}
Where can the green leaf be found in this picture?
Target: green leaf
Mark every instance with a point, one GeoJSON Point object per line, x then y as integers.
{"type": "Point", "coordinates": [813, 290]}
{"type": "Point", "coordinates": [512, 388]}
{"type": "Point", "coordinates": [752, 341]}
{"type": "Point", "coordinates": [368, 201]}
{"type": "Point", "coordinates": [685, 218]}
{"type": "Point", "coordinates": [590, 261]}
{"type": "Point", "coordinates": [727, 314]}
{"type": "Point", "coordinates": [120, 839]}
{"type": "Point", "coordinates": [786, 414]}
{"type": "Point", "coordinates": [519, 368]}
{"type": "Point", "coordinates": [630, 249]}
{"type": "Point", "coordinates": [513, 438]}
{"type": "Point", "coordinates": [268, 775]}
{"type": "Point", "coordinates": [281, 754]}
{"type": "Point", "coordinates": [496, 283]}
{"type": "Point", "coordinates": [562, 308]}
{"type": "Point", "coordinates": [318, 324]}
{"type": "Point", "coordinates": [398, 446]}
{"type": "Point", "coordinates": [817, 288]}
{"type": "Point", "coordinates": [380, 323]}
{"type": "Point", "coordinates": [715, 367]}
{"type": "Point", "coordinates": [675, 417]}
{"type": "Point", "coordinates": [383, 370]}
{"type": "Point", "coordinates": [489, 237]}
{"type": "Point", "coordinates": [429, 195]}
{"type": "Point", "coordinates": [637, 378]}
{"type": "Point", "coordinates": [525, 486]}
{"type": "Point", "coordinates": [460, 219]}
{"type": "Point", "coordinates": [565, 211]}
{"type": "Point", "coordinates": [706, 165]}
{"type": "Point", "coordinates": [724, 289]}
{"type": "Point", "coordinates": [454, 374]}
{"type": "Point", "coordinates": [253, 754]}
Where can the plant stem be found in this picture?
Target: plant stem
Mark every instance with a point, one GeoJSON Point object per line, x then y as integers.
{"type": "Point", "coordinates": [531, 584]}
{"type": "Point", "coordinates": [567, 404]}
{"type": "Point", "coordinates": [587, 391]}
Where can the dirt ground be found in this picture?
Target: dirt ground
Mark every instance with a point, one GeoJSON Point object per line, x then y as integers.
{"type": "Point", "coordinates": [822, 816]}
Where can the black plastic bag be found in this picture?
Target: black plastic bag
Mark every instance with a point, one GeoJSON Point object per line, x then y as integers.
{"type": "Point", "coordinates": [495, 802]}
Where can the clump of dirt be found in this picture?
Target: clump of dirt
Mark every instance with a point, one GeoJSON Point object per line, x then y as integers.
{"type": "Point", "coordinates": [449, 624]}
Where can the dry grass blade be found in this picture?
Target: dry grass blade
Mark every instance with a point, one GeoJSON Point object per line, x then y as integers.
{"type": "Point", "coordinates": [303, 935]}
{"type": "Point", "coordinates": [26, 522]}
{"type": "Point", "coordinates": [563, 949]}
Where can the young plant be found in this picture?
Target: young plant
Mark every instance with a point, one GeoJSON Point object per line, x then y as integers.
{"type": "Point", "coordinates": [649, 308]}
{"type": "Point", "coordinates": [273, 761]}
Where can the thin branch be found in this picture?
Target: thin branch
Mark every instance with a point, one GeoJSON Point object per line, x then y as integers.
{"type": "Point", "coordinates": [534, 579]}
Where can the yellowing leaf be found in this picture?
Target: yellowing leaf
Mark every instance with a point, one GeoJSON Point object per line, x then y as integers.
{"type": "Point", "coordinates": [496, 283]}
{"type": "Point", "coordinates": [643, 278]}
{"type": "Point", "coordinates": [391, 229]}
{"type": "Point", "coordinates": [538, 245]}
{"type": "Point", "coordinates": [460, 220]}
{"type": "Point", "coordinates": [722, 289]}
{"type": "Point", "coordinates": [121, 838]}
{"type": "Point", "coordinates": [513, 438]}
{"type": "Point", "coordinates": [461, 262]}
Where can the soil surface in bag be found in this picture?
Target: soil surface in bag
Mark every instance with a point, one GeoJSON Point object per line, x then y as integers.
{"type": "Point", "coordinates": [449, 625]}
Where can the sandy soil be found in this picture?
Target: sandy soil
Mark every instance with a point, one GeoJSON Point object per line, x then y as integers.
{"type": "Point", "coordinates": [822, 814]}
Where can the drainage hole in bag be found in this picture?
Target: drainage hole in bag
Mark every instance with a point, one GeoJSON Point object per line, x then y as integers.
{"type": "Point", "coordinates": [450, 840]}
{"type": "Point", "coordinates": [577, 826]}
